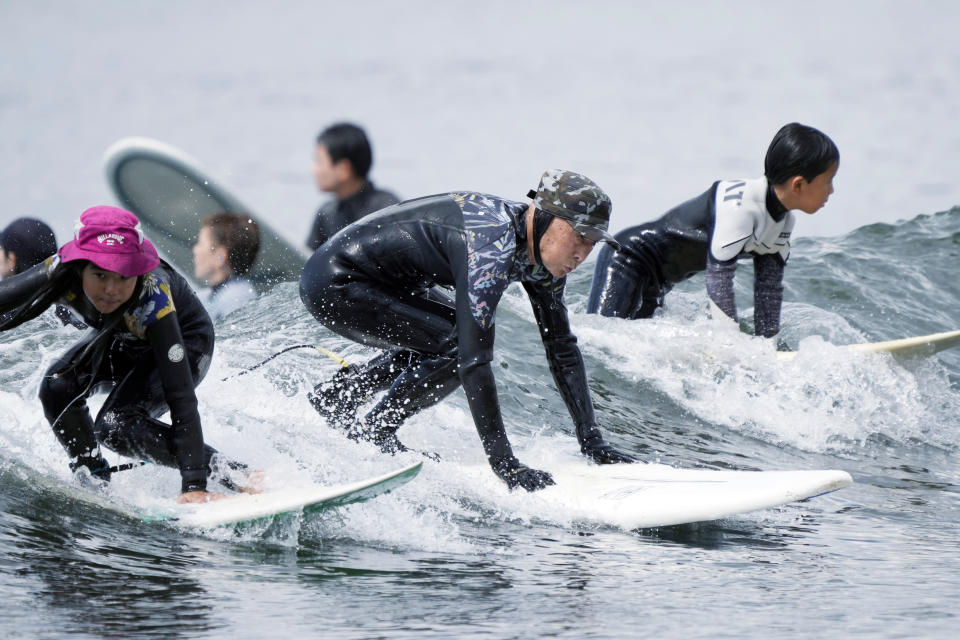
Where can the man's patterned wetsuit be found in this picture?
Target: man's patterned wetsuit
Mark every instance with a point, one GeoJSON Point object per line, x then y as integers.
{"type": "Point", "coordinates": [371, 283]}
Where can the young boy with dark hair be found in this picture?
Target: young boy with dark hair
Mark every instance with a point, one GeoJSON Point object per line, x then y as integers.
{"type": "Point", "coordinates": [733, 219]}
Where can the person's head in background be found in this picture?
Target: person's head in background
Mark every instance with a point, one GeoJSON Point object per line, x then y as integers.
{"type": "Point", "coordinates": [342, 160]}
{"type": "Point", "coordinates": [24, 243]}
{"type": "Point", "coordinates": [226, 246]}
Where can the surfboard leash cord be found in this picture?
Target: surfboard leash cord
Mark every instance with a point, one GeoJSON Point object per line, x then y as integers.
{"type": "Point", "coordinates": [327, 352]}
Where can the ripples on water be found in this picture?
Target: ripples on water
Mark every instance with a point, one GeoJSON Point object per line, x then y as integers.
{"type": "Point", "coordinates": [454, 555]}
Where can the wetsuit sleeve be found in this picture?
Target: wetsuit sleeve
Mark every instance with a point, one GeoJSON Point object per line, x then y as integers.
{"type": "Point", "coordinates": [475, 352]}
{"type": "Point", "coordinates": [174, 369]}
{"type": "Point", "coordinates": [767, 294]}
{"type": "Point", "coordinates": [720, 285]}
{"type": "Point", "coordinates": [16, 290]}
{"type": "Point", "coordinates": [563, 355]}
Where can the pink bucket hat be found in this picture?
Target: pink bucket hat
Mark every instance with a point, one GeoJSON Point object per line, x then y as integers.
{"type": "Point", "coordinates": [112, 239]}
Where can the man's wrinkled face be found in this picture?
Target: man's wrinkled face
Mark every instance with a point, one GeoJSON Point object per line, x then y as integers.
{"type": "Point", "coordinates": [563, 248]}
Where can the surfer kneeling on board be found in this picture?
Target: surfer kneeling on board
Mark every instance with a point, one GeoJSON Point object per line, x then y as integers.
{"type": "Point", "coordinates": [372, 283]}
{"type": "Point", "coordinates": [732, 220]}
{"type": "Point", "coordinates": [147, 351]}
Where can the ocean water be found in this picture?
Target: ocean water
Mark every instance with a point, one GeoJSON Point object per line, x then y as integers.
{"type": "Point", "coordinates": [655, 101]}
{"type": "Point", "coordinates": [454, 554]}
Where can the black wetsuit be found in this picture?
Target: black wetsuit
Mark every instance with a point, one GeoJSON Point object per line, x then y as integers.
{"type": "Point", "coordinates": [336, 214]}
{"type": "Point", "coordinates": [655, 256]}
{"type": "Point", "coordinates": [372, 283]}
{"type": "Point", "coordinates": [152, 359]}
{"type": "Point", "coordinates": [631, 283]}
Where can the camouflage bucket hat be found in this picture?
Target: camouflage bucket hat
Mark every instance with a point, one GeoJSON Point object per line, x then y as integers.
{"type": "Point", "coordinates": [578, 200]}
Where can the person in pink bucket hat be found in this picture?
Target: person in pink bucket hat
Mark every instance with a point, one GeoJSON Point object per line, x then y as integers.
{"type": "Point", "coordinates": [151, 344]}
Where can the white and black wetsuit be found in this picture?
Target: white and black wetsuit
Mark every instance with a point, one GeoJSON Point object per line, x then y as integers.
{"type": "Point", "coordinates": [336, 214]}
{"type": "Point", "coordinates": [372, 283]}
{"type": "Point", "coordinates": [154, 351]}
{"type": "Point", "coordinates": [732, 220]}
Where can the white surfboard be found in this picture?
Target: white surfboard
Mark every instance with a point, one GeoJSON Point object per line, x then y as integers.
{"type": "Point", "coordinates": [634, 496]}
{"type": "Point", "coordinates": [170, 192]}
{"type": "Point", "coordinates": [903, 348]}
{"type": "Point", "coordinates": [249, 507]}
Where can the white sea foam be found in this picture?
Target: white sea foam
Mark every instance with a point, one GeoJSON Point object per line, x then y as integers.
{"type": "Point", "coordinates": [825, 399]}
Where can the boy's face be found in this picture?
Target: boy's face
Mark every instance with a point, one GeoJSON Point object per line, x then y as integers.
{"type": "Point", "coordinates": [811, 196]}
{"type": "Point", "coordinates": [329, 175]}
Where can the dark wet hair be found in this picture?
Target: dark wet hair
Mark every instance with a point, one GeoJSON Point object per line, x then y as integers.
{"type": "Point", "coordinates": [348, 141]}
{"type": "Point", "coordinates": [799, 150]}
{"type": "Point", "coordinates": [31, 240]}
{"type": "Point", "coordinates": [239, 234]}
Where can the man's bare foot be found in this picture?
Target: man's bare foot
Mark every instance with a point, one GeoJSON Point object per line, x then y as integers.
{"type": "Point", "coordinates": [195, 497]}
{"type": "Point", "coordinates": [256, 480]}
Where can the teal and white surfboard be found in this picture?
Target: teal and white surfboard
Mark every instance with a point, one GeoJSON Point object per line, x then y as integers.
{"type": "Point", "coordinates": [251, 507]}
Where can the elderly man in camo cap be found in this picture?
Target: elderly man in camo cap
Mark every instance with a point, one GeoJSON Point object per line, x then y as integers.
{"type": "Point", "coordinates": [372, 283]}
